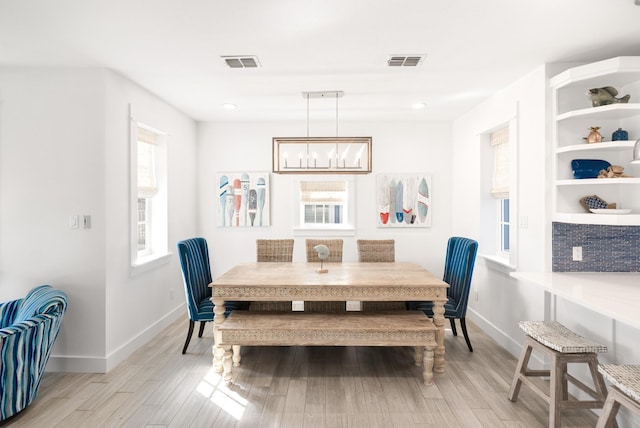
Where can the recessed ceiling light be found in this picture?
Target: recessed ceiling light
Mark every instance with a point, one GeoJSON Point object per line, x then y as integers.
{"type": "Point", "coordinates": [229, 106]}
{"type": "Point", "coordinates": [419, 106]}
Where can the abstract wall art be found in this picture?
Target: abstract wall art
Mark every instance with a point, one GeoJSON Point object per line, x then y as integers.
{"type": "Point", "coordinates": [403, 200]}
{"type": "Point", "coordinates": [243, 199]}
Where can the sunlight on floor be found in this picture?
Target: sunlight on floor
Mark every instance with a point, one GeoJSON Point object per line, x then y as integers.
{"type": "Point", "coordinates": [214, 389]}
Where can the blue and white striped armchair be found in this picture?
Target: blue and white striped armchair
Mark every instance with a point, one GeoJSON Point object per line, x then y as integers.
{"type": "Point", "coordinates": [28, 329]}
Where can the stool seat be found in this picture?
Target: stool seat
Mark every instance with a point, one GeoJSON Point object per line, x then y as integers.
{"type": "Point", "coordinates": [625, 391]}
{"type": "Point", "coordinates": [563, 347]}
{"type": "Point", "coordinates": [554, 335]}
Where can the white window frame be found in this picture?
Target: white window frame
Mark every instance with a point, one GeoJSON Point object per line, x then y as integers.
{"type": "Point", "coordinates": [157, 252]}
{"type": "Point", "coordinates": [491, 207]}
{"type": "Point", "coordinates": [346, 228]}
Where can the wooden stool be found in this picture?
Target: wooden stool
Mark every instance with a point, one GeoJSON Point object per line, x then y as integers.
{"type": "Point", "coordinates": [563, 346]}
{"type": "Point", "coordinates": [625, 390]}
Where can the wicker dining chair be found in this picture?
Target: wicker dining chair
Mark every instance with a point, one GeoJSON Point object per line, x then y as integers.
{"type": "Point", "coordinates": [271, 251]}
{"type": "Point", "coordinates": [274, 250]}
{"type": "Point", "coordinates": [378, 251]}
{"type": "Point", "coordinates": [335, 256]}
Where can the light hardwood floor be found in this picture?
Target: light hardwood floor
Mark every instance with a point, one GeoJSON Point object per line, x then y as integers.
{"type": "Point", "coordinates": [293, 387]}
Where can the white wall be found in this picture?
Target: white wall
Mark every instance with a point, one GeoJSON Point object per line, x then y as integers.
{"type": "Point", "coordinates": [64, 150]}
{"type": "Point", "coordinates": [52, 166]}
{"type": "Point", "coordinates": [396, 147]}
{"type": "Point", "coordinates": [138, 306]}
{"type": "Point", "coordinates": [501, 301]}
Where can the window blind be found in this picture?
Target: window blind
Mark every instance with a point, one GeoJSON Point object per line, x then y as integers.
{"type": "Point", "coordinates": [500, 143]}
{"type": "Point", "coordinates": [323, 192]}
{"type": "Point", "coordinates": [147, 183]}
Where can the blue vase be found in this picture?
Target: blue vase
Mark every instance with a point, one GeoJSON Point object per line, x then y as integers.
{"type": "Point", "coordinates": [620, 135]}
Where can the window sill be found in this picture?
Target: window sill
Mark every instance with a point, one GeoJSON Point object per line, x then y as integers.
{"type": "Point", "coordinates": [501, 264]}
{"type": "Point", "coordinates": [148, 263]}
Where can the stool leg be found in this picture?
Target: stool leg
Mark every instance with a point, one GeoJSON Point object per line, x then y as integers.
{"type": "Point", "coordinates": [557, 386]}
{"type": "Point", "coordinates": [523, 362]}
{"type": "Point", "coordinates": [610, 409]}
{"type": "Point", "coordinates": [598, 380]}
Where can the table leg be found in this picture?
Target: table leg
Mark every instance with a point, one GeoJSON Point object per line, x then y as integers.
{"type": "Point", "coordinates": [218, 318]}
{"type": "Point", "coordinates": [236, 355]}
{"type": "Point", "coordinates": [417, 355]}
{"type": "Point", "coordinates": [226, 363]}
{"type": "Point", "coordinates": [427, 373]}
{"type": "Point", "coordinates": [438, 321]}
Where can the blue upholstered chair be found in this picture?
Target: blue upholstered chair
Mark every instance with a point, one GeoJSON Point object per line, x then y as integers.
{"type": "Point", "coordinates": [458, 269]}
{"type": "Point", "coordinates": [196, 273]}
{"type": "Point", "coordinates": [28, 329]}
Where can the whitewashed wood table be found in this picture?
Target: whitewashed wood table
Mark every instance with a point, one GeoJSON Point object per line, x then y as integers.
{"type": "Point", "coordinates": [399, 281]}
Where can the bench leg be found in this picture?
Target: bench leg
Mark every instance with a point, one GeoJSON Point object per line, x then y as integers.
{"type": "Point", "coordinates": [417, 355]}
{"type": "Point", "coordinates": [427, 363]}
{"type": "Point", "coordinates": [226, 364]}
{"type": "Point", "coordinates": [236, 355]}
{"type": "Point", "coordinates": [610, 409]}
{"type": "Point", "coordinates": [521, 368]}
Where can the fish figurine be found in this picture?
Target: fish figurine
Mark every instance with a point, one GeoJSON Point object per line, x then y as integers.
{"type": "Point", "coordinates": [253, 205]}
{"type": "Point", "coordinates": [605, 96]}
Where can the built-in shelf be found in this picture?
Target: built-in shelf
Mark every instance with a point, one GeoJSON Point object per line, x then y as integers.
{"type": "Point", "coordinates": [606, 219]}
{"type": "Point", "coordinates": [608, 112]}
{"type": "Point", "coordinates": [612, 146]}
{"type": "Point", "coordinates": [573, 114]}
{"type": "Point", "coordinates": [596, 181]}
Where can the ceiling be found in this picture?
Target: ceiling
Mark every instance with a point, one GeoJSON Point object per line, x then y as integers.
{"type": "Point", "coordinates": [174, 47]}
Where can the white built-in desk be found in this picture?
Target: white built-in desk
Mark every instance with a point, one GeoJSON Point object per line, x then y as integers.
{"type": "Point", "coordinates": [615, 295]}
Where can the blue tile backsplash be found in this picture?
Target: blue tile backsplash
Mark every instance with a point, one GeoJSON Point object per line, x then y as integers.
{"type": "Point", "coordinates": [604, 248]}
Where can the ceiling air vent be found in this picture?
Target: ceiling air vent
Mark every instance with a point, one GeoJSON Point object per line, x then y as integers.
{"type": "Point", "coordinates": [242, 61]}
{"type": "Point", "coordinates": [405, 60]}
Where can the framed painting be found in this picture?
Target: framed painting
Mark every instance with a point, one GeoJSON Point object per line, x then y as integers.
{"type": "Point", "coordinates": [243, 199]}
{"type": "Point", "coordinates": [403, 200]}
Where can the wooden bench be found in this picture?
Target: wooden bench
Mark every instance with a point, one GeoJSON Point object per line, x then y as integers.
{"type": "Point", "coordinates": [393, 328]}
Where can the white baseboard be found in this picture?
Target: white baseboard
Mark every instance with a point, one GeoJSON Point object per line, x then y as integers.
{"type": "Point", "coordinates": [509, 343]}
{"type": "Point", "coordinates": [83, 364]}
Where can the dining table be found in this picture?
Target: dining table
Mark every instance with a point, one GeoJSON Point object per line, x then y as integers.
{"type": "Point", "coordinates": [267, 281]}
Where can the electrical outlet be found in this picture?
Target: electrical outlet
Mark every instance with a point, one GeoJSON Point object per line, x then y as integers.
{"type": "Point", "coordinates": [73, 221]}
{"type": "Point", "coordinates": [476, 295]}
{"type": "Point", "coordinates": [577, 254]}
{"type": "Point", "coordinates": [171, 294]}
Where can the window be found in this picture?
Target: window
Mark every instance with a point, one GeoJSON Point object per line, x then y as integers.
{"type": "Point", "coordinates": [500, 189]}
{"type": "Point", "coordinates": [498, 200]}
{"type": "Point", "coordinates": [149, 195]}
{"type": "Point", "coordinates": [324, 204]}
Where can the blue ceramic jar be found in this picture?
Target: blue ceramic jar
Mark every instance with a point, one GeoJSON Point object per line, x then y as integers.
{"type": "Point", "coordinates": [620, 135]}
